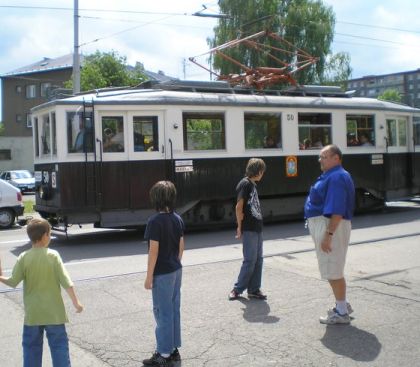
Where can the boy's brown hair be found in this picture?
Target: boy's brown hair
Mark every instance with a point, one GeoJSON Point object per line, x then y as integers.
{"type": "Point", "coordinates": [163, 196]}
{"type": "Point", "coordinates": [254, 167]}
{"type": "Point", "coordinates": [36, 228]}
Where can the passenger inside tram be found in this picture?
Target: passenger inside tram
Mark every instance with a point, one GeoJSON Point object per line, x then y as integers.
{"type": "Point", "coordinates": [364, 140]}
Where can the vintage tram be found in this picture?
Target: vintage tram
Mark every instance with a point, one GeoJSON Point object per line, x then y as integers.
{"type": "Point", "coordinates": [98, 154]}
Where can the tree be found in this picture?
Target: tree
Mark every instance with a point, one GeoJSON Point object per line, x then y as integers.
{"type": "Point", "coordinates": [307, 24]}
{"type": "Point", "coordinates": [337, 70]}
{"type": "Point", "coordinates": [108, 69]}
{"type": "Point", "coordinates": [391, 95]}
{"type": "Point", "coordinates": [1, 128]}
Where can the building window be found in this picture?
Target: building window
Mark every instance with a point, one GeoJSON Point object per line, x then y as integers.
{"type": "Point", "coordinates": [31, 91]}
{"type": "Point", "coordinates": [314, 130]}
{"type": "Point", "coordinates": [145, 134]}
{"type": "Point", "coordinates": [18, 89]}
{"type": "Point", "coordinates": [362, 93]}
{"type": "Point", "coordinates": [204, 131]}
{"type": "Point", "coordinates": [18, 117]}
{"type": "Point", "coordinates": [113, 134]}
{"type": "Point", "coordinates": [44, 89]}
{"type": "Point", "coordinates": [360, 130]}
{"type": "Point", "coordinates": [262, 130]}
{"type": "Point", "coordinates": [396, 132]}
{"type": "Point", "coordinates": [28, 120]}
{"type": "Point", "coordinates": [5, 155]}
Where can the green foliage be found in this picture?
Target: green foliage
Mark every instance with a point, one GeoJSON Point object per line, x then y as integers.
{"type": "Point", "coordinates": [307, 24]}
{"type": "Point", "coordinates": [107, 69]}
{"type": "Point", "coordinates": [337, 70]}
{"type": "Point", "coordinates": [1, 128]}
{"type": "Point", "coordinates": [391, 95]}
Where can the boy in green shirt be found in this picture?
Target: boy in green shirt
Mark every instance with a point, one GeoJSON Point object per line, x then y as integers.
{"type": "Point", "coordinates": [42, 272]}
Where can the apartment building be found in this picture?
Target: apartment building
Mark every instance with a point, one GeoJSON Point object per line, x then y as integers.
{"type": "Point", "coordinates": [406, 82]}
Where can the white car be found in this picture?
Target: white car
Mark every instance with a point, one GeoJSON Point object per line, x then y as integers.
{"type": "Point", "coordinates": [11, 205]}
{"type": "Point", "coordinates": [22, 179]}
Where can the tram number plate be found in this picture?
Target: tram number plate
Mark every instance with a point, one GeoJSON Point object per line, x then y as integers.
{"type": "Point", "coordinates": [184, 169]}
{"type": "Point", "coordinates": [377, 159]}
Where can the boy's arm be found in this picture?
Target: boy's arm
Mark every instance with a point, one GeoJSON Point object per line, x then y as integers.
{"type": "Point", "coordinates": [239, 211]}
{"type": "Point", "coordinates": [181, 248]}
{"type": "Point", "coordinates": [151, 263]}
{"type": "Point", "coordinates": [15, 279]}
{"type": "Point", "coordinates": [76, 303]}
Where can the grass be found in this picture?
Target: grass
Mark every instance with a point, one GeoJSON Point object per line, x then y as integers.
{"type": "Point", "coordinates": [28, 206]}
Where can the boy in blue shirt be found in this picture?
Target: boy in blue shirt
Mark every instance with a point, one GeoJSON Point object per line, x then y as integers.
{"type": "Point", "coordinates": [165, 235]}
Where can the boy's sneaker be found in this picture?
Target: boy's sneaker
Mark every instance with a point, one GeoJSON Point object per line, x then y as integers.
{"type": "Point", "coordinates": [175, 356]}
{"type": "Point", "coordinates": [335, 318]}
{"type": "Point", "coordinates": [233, 295]}
{"type": "Point", "coordinates": [349, 309]}
{"type": "Point", "coordinates": [157, 360]}
{"type": "Point", "coordinates": [258, 295]}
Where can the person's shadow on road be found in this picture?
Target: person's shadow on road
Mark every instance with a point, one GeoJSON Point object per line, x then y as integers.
{"type": "Point", "coordinates": [257, 311]}
{"type": "Point", "coordinates": [349, 341]}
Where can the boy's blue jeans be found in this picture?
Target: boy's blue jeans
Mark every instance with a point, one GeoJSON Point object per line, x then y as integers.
{"type": "Point", "coordinates": [32, 341]}
{"type": "Point", "coordinates": [166, 293]}
{"type": "Point", "coordinates": [251, 270]}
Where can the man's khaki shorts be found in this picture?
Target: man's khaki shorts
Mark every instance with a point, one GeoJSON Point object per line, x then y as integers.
{"type": "Point", "coordinates": [331, 265]}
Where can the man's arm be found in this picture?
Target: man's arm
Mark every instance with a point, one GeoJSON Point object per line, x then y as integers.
{"type": "Point", "coordinates": [181, 248]}
{"type": "Point", "coordinates": [329, 233]}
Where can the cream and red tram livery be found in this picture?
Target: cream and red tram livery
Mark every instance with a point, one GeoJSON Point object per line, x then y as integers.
{"type": "Point", "coordinates": [98, 154]}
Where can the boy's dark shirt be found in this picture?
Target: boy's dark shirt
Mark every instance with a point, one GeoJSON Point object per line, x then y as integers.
{"type": "Point", "coordinates": [167, 229]}
{"type": "Point", "coordinates": [247, 190]}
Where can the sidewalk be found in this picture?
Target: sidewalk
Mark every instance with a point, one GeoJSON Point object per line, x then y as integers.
{"type": "Point", "coordinates": [117, 327]}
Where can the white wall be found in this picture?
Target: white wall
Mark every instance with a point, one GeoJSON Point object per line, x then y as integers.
{"type": "Point", "coordinates": [21, 152]}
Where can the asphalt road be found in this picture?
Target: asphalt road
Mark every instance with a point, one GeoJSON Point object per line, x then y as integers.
{"type": "Point", "coordinates": [116, 329]}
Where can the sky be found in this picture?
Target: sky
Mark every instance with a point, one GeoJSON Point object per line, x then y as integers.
{"type": "Point", "coordinates": [380, 36]}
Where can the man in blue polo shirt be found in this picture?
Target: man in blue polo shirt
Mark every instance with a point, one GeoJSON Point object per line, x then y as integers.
{"type": "Point", "coordinates": [329, 209]}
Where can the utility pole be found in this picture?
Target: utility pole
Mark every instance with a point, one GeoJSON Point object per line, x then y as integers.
{"type": "Point", "coordinates": [76, 60]}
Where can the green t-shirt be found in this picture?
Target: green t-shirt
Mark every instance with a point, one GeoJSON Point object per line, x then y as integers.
{"type": "Point", "coordinates": [42, 272]}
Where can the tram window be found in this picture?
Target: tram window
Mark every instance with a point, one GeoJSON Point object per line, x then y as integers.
{"type": "Point", "coordinates": [36, 136]}
{"type": "Point", "coordinates": [396, 132]}
{"type": "Point", "coordinates": [262, 130]}
{"type": "Point", "coordinates": [79, 132]}
{"type": "Point", "coordinates": [314, 130]}
{"type": "Point", "coordinates": [45, 135]}
{"type": "Point", "coordinates": [113, 134]}
{"type": "Point", "coordinates": [54, 133]}
{"type": "Point", "coordinates": [416, 127]}
{"type": "Point", "coordinates": [145, 134]}
{"type": "Point", "coordinates": [204, 131]}
{"type": "Point", "coordinates": [360, 130]}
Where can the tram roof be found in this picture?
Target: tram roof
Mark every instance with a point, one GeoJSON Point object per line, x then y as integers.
{"type": "Point", "coordinates": [216, 94]}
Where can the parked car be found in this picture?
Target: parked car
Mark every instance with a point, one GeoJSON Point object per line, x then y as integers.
{"type": "Point", "coordinates": [22, 179]}
{"type": "Point", "coordinates": [11, 205]}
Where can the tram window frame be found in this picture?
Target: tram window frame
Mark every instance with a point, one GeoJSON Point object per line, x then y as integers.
{"type": "Point", "coordinates": [396, 132]}
{"type": "Point", "coordinates": [146, 127]}
{"type": "Point", "coordinates": [36, 135]}
{"type": "Point", "coordinates": [314, 130]}
{"type": "Point", "coordinates": [360, 127]}
{"type": "Point", "coordinates": [113, 134]}
{"type": "Point", "coordinates": [45, 135]}
{"type": "Point", "coordinates": [213, 139]}
{"type": "Point", "coordinates": [416, 130]}
{"type": "Point", "coordinates": [262, 130]}
{"type": "Point", "coordinates": [80, 137]}
{"type": "Point", "coordinates": [54, 133]}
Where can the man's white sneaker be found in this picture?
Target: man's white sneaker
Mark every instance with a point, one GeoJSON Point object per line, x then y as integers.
{"type": "Point", "coordinates": [335, 318]}
{"type": "Point", "coordinates": [334, 309]}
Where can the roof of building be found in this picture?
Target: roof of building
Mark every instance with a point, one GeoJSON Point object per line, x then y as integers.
{"type": "Point", "coordinates": [66, 62]}
{"type": "Point", "coordinates": [46, 64]}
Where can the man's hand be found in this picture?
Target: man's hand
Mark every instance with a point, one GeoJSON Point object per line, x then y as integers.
{"type": "Point", "coordinates": [326, 243]}
{"type": "Point", "coordinates": [148, 283]}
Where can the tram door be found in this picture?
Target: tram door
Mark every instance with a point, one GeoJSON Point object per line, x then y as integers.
{"type": "Point", "coordinates": [132, 157]}
{"type": "Point", "coordinates": [399, 160]}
